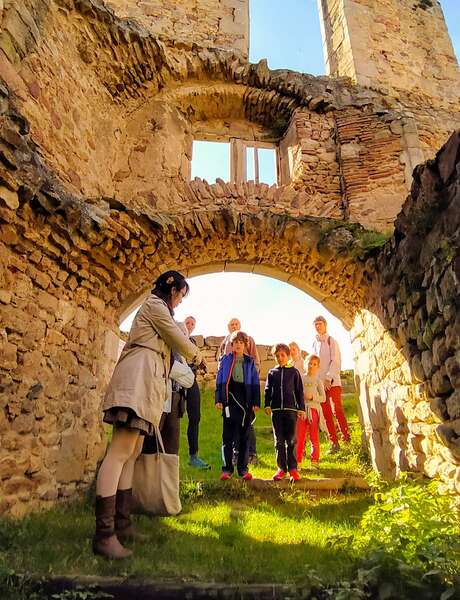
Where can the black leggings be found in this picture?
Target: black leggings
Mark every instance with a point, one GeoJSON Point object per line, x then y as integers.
{"type": "Point", "coordinates": [193, 400]}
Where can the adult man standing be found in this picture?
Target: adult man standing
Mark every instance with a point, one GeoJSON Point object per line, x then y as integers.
{"type": "Point", "coordinates": [327, 348]}
{"type": "Point", "coordinates": [193, 406]}
{"type": "Point", "coordinates": [226, 347]}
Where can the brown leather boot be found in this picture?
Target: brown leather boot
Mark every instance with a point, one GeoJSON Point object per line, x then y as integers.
{"type": "Point", "coordinates": [123, 525]}
{"type": "Point", "coordinates": [105, 542]}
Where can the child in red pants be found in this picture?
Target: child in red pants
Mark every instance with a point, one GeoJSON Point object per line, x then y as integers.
{"type": "Point", "coordinates": [314, 395]}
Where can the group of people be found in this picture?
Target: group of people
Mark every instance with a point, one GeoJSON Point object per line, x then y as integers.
{"type": "Point", "coordinates": [156, 374]}
{"type": "Point", "coordinates": [298, 396]}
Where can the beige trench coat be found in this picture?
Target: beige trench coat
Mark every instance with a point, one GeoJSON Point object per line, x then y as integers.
{"type": "Point", "coordinates": [139, 379]}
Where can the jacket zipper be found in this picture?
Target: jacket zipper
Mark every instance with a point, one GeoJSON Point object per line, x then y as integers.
{"type": "Point", "coordinates": [282, 395]}
{"type": "Point", "coordinates": [242, 408]}
{"type": "Point", "coordinates": [229, 377]}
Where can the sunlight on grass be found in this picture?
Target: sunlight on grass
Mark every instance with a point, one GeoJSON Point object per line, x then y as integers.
{"type": "Point", "coordinates": [221, 525]}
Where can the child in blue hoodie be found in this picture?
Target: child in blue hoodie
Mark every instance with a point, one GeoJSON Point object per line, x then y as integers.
{"type": "Point", "coordinates": [284, 401]}
{"type": "Point", "coordinates": [238, 396]}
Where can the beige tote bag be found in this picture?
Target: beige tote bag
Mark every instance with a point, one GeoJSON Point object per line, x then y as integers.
{"type": "Point", "coordinates": [156, 483]}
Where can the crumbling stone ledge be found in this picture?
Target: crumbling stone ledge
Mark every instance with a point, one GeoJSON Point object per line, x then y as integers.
{"type": "Point", "coordinates": [126, 589]}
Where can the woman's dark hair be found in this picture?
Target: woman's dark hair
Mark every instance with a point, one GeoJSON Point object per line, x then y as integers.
{"type": "Point", "coordinates": [163, 286]}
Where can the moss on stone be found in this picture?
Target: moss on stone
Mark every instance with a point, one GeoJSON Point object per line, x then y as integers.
{"type": "Point", "coordinates": [362, 242]}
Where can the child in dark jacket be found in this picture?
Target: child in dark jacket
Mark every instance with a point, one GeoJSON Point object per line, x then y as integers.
{"type": "Point", "coordinates": [284, 401]}
{"type": "Point", "coordinates": [238, 396]}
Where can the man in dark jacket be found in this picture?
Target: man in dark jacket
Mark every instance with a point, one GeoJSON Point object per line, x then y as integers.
{"type": "Point", "coordinates": [284, 401]}
{"type": "Point", "coordinates": [238, 396]}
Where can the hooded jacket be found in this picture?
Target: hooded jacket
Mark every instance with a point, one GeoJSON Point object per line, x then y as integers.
{"type": "Point", "coordinates": [327, 348]}
{"type": "Point", "coordinates": [251, 380]}
{"type": "Point", "coordinates": [284, 389]}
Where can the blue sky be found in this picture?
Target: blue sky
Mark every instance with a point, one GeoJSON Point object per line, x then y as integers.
{"type": "Point", "coordinates": [288, 34]}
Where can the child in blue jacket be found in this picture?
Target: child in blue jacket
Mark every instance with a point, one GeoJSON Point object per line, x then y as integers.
{"type": "Point", "coordinates": [238, 396]}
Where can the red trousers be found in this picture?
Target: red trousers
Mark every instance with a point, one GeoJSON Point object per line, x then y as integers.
{"type": "Point", "coordinates": [334, 398]}
{"type": "Point", "coordinates": [311, 428]}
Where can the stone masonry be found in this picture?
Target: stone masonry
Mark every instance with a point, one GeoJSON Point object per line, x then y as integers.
{"type": "Point", "coordinates": [99, 105]}
{"type": "Point", "coordinates": [407, 339]}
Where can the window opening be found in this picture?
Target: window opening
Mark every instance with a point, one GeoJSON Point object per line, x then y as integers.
{"type": "Point", "coordinates": [211, 160]}
{"type": "Point", "coordinates": [261, 165]}
{"type": "Point", "coordinates": [236, 161]}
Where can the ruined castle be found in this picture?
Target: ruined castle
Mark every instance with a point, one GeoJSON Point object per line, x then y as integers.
{"type": "Point", "coordinates": [100, 102]}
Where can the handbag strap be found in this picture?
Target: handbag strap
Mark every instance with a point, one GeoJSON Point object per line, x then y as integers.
{"type": "Point", "coordinates": [160, 444]}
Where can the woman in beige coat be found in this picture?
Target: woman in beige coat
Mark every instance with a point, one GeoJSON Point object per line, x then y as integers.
{"type": "Point", "coordinates": [134, 403]}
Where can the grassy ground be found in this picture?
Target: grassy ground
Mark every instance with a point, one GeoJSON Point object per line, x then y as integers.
{"type": "Point", "coordinates": [226, 533]}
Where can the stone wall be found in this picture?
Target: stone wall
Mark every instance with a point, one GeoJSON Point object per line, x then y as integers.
{"type": "Point", "coordinates": [407, 341]}
{"type": "Point", "coordinates": [387, 45]}
{"type": "Point", "coordinates": [125, 112]}
{"type": "Point", "coordinates": [55, 360]}
{"type": "Point", "coordinates": [220, 23]}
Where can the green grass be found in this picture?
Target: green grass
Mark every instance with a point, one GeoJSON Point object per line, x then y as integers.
{"type": "Point", "coordinates": [226, 532]}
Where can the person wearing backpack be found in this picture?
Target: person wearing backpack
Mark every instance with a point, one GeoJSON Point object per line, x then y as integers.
{"type": "Point", "coordinates": [327, 348]}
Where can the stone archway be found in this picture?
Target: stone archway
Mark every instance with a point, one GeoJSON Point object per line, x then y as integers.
{"type": "Point", "coordinates": [85, 228]}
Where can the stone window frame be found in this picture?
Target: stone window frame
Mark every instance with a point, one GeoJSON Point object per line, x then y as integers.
{"type": "Point", "coordinates": [238, 156]}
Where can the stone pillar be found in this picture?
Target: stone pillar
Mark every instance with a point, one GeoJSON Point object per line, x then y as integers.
{"type": "Point", "coordinates": [388, 45]}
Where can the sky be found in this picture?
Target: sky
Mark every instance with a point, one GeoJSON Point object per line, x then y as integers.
{"type": "Point", "coordinates": [287, 34]}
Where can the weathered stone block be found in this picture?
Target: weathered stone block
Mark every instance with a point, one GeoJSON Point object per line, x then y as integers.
{"type": "Point", "coordinates": [47, 301]}
{"type": "Point", "coordinates": [71, 456]}
{"type": "Point", "coordinates": [23, 423]}
{"type": "Point", "coordinates": [453, 405]}
{"type": "Point", "coordinates": [440, 383]}
{"type": "Point", "coordinates": [427, 363]}
{"type": "Point", "coordinates": [440, 351]}
{"type": "Point", "coordinates": [453, 369]}
{"type": "Point", "coordinates": [214, 341]}
{"type": "Point", "coordinates": [81, 318]}
{"type": "Point", "coordinates": [9, 197]}
{"type": "Point", "coordinates": [8, 355]}
{"type": "Point", "coordinates": [199, 340]}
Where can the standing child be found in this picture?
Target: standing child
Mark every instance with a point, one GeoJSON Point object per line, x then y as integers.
{"type": "Point", "coordinates": [296, 357]}
{"type": "Point", "coordinates": [238, 396]}
{"type": "Point", "coordinates": [284, 402]}
{"type": "Point", "coordinates": [314, 395]}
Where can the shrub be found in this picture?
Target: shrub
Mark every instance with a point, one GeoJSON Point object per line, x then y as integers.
{"type": "Point", "coordinates": [407, 542]}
